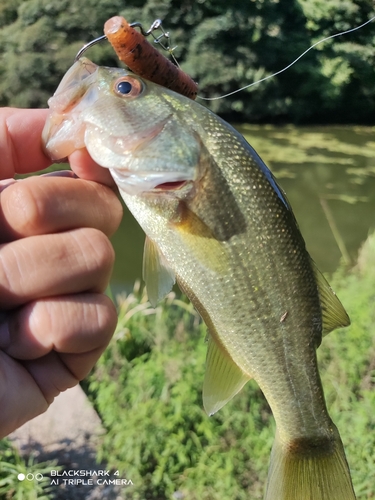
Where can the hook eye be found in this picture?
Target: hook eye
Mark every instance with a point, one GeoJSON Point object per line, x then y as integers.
{"type": "Point", "coordinates": [127, 86]}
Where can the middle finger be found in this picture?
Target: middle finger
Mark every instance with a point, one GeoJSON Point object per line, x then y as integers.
{"type": "Point", "coordinates": [54, 264]}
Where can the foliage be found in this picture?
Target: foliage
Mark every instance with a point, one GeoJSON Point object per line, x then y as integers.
{"type": "Point", "coordinates": [224, 46]}
{"type": "Point", "coordinates": [347, 361]}
{"type": "Point", "coordinates": [38, 45]}
{"type": "Point", "coordinates": [11, 465]}
{"type": "Point", "coordinates": [147, 389]}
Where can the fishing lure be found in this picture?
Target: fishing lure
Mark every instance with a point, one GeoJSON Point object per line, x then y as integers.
{"type": "Point", "coordinates": [142, 58]}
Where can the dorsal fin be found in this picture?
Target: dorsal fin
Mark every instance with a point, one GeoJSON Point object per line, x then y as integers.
{"type": "Point", "coordinates": [223, 378]}
{"type": "Point", "coordinates": [157, 274]}
{"type": "Point", "coordinates": [333, 312]}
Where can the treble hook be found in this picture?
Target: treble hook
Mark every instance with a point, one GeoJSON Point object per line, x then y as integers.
{"type": "Point", "coordinates": [154, 26]}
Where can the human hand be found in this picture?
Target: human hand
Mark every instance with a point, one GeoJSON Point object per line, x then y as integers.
{"type": "Point", "coordinates": [55, 263]}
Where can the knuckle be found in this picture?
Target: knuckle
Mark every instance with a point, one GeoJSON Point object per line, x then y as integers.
{"type": "Point", "coordinates": [106, 318]}
{"type": "Point", "coordinates": [98, 250]}
{"type": "Point", "coordinates": [115, 214]}
{"type": "Point", "coordinates": [108, 209]}
{"type": "Point", "coordinates": [22, 208]}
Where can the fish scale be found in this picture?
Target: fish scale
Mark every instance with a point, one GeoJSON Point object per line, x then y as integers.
{"type": "Point", "coordinates": [258, 336]}
{"type": "Point", "coordinates": [216, 219]}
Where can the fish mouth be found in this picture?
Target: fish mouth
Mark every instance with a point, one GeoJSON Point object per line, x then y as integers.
{"type": "Point", "coordinates": [136, 183]}
{"type": "Point", "coordinates": [170, 186]}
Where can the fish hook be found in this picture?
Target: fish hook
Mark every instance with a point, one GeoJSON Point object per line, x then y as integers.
{"type": "Point", "coordinates": [157, 24]}
{"type": "Point", "coordinates": [83, 49]}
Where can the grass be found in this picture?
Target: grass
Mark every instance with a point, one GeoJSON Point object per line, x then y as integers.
{"type": "Point", "coordinates": [147, 389]}
{"type": "Point", "coordinates": [11, 465]}
{"type": "Point", "coordinates": [347, 360]}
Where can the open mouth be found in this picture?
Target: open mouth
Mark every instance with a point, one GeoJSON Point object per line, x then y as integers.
{"type": "Point", "coordinates": [136, 183]}
{"type": "Point", "coordinates": [170, 186]}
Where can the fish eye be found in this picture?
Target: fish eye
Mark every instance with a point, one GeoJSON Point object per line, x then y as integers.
{"type": "Point", "coordinates": [128, 86]}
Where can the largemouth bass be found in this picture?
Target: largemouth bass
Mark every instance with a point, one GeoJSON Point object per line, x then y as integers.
{"type": "Point", "coordinates": [216, 219]}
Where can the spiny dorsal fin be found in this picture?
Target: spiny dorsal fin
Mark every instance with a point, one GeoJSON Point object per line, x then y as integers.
{"type": "Point", "coordinates": [223, 378]}
{"type": "Point", "coordinates": [333, 312]}
{"type": "Point", "coordinates": [157, 274]}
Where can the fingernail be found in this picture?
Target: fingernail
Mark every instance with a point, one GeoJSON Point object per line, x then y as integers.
{"type": "Point", "coordinates": [61, 173]}
{"type": "Point", "coordinates": [5, 183]}
{"type": "Point", "coordinates": [4, 330]}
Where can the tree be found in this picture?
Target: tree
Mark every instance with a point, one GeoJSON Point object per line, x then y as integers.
{"type": "Point", "coordinates": [224, 46]}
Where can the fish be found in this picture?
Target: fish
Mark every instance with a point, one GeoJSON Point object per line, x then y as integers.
{"type": "Point", "coordinates": [217, 221]}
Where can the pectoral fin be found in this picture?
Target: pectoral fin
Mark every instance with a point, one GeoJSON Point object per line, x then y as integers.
{"type": "Point", "coordinates": [333, 312]}
{"type": "Point", "coordinates": [223, 378]}
{"type": "Point", "coordinates": [157, 274]}
{"type": "Point", "coordinates": [203, 245]}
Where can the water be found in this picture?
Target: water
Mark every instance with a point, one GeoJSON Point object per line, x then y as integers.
{"type": "Point", "coordinates": [333, 164]}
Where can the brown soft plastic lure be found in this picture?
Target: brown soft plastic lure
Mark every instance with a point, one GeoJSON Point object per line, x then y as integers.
{"type": "Point", "coordinates": [143, 59]}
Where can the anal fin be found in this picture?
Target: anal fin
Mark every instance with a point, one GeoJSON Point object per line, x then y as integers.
{"type": "Point", "coordinates": [223, 378]}
{"type": "Point", "coordinates": [157, 274]}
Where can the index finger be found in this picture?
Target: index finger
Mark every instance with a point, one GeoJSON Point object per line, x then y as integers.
{"type": "Point", "coordinates": [21, 148]}
{"type": "Point", "coordinates": [20, 141]}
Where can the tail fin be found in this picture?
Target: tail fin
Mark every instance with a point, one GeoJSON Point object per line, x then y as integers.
{"type": "Point", "coordinates": [297, 473]}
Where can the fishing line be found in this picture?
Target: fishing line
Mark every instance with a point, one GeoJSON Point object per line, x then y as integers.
{"type": "Point", "coordinates": [289, 65]}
